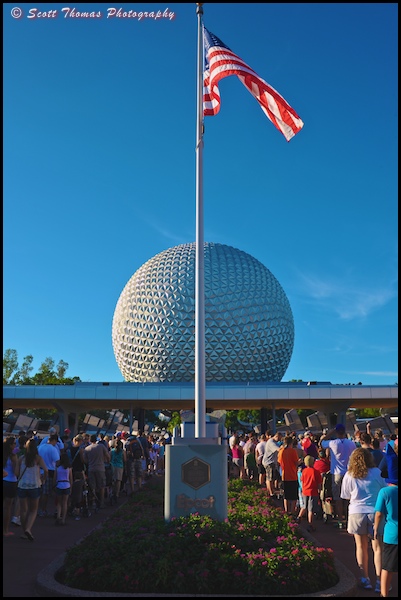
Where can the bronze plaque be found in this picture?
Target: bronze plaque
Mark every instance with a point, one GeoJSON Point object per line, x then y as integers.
{"type": "Point", "coordinates": [195, 473]}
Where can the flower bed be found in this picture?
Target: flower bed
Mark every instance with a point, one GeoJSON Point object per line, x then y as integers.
{"type": "Point", "coordinates": [257, 550]}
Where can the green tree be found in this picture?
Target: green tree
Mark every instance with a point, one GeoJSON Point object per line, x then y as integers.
{"type": "Point", "coordinates": [10, 365]}
{"type": "Point", "coordinates": [367, 413]}
{"type": "Point", "coordinates": [24, 372]}
{"type": "Point", "coordinates": [48, 373]}
{"type": "Point", "coordinates": [174, 421]}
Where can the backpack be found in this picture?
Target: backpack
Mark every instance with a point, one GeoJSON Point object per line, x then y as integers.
{"type": "Point", "coordinates": [134, 450]}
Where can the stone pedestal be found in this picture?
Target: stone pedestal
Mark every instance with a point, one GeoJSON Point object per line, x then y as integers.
{"type": "Point", "coordinates": [195, 478]}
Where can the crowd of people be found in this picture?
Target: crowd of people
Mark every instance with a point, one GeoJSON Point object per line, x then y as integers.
{"type": "Point", "coordinates": [73, 473]}
{"type": "Point", "coordinates": [351, 479]}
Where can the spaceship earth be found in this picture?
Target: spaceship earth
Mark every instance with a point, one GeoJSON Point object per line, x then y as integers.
{"type": "Point", "coordinates": [249, 326]}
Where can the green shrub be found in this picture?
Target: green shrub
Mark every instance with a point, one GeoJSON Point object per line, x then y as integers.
{"type": "Point", "coordinates": [257, 550]}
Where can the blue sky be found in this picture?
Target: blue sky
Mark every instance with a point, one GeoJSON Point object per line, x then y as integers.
{"type": "Point", "coordinates": [99, 173]}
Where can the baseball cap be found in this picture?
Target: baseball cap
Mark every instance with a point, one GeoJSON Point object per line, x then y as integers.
{"type": "Point", "coordinates": [340, 427]}
{"type": "Point", "coordinates": [119, 433]}
{"type": "Point", "coordinates": [67, 431]}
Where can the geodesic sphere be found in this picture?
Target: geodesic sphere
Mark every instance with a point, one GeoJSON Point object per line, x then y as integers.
{"type": "Point", "coordinates": [249, 327]}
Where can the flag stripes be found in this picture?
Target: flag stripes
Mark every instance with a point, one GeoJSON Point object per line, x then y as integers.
{"type": "Point", "coordinates": [221, 62]}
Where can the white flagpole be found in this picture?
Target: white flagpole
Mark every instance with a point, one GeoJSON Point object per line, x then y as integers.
{"type": "Point", "coordinates": [200, 386]}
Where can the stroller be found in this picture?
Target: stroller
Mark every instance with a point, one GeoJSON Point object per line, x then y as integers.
{"type": "Point", "coordinates": [85, 509]}
{"type": "Point", "coordinates": [76, 498]}
{"type": "Point", "coordinates": [326, 497]}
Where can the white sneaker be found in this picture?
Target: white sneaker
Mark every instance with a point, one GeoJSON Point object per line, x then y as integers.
{"type": "Point", "coordinates": [16, 521]}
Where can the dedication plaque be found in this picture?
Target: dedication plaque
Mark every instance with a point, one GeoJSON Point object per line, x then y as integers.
{"type": "Point", "coordinates": [195, 473]}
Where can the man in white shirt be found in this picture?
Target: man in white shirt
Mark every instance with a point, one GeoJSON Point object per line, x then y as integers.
{"type": "Point", "coordinates": [341, 449]}
{"type": "Point", "coordinates": [269, 461]}
{"type": "Point", "coordinates": [53, 431]}
{"type": "Point", "coordinates": [51, 455]}
{"type": "Point", "coordinates": [259, 452]}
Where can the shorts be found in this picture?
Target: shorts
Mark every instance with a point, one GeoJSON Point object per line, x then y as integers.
{"type": "Point", "coordinates": [10, 489]}
{"type": "Point", "coordinates": [118, 473]}
{"type": "Point", "coordinates": [62, 492]}
{"type": "Point", "coordinates": [261, 469]}
{"type": "Point", "coordinates": [272, 473]}
{"type": "Point", "coordinates": [336, 482]}
{"type": "Point", "coordinates": [47, 487]}
{"type": "Point", "coordinates": [239, 462]}
{"type": "Point", "coordinates": [29, 493]}
{"type": "Point", "coordinates": [311, 503]}
{"type": "Point", "coordinates": [361, 523]}
{"type": "Point", "coordinates": [135, 468]}
{"type": "Point", "coordinates": [390, 558]}
{"type": "Point", "coordinates": [290, 490]}
{"type": "Point", "coordinates": [97, 480]}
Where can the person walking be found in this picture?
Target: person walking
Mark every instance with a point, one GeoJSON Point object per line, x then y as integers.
{"type": "Point", "coordinates": [287, 458]}
{"type": "Point", "coordinates": [270, 464]}
{"type": "Point", "coordinates": [238, 457]}
{"type": "Point", "coordinates": [10, 481]}
{"type": "Point", "coordinates": [29, 486]}
{"type": "Point", "coordinates": [51, 455]}
{"type": "Point", "coordinates": [386, 509]}
{"type": "Point", "coordinates": [53, 431]}
{"type": "Point", "coordinates": [249, 456]}
{"type": "Point", "coordinates": [341, 449]}
{"type": "Point", "coordinates": [95, 457]}
{"type": "Point", "coordinates": [259, 452]}
{"type": "Point", "coordinates": [311, 481]}
{"type": "Point", "coordinates": [134, 456]}
{"type": "Point", "coordinates": [361, 485]}
{"type": "Point", "coordinates": [63, 487]}
{"type": "Point", "coordinates": [118, 461]}
{"type": "Point", "coordinates": [322, 463]}
{"type": "Point", "coordinates": [308, 445]}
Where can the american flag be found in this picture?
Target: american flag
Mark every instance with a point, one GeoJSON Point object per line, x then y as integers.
{"type": "Point", "coordinates": [221, 62]}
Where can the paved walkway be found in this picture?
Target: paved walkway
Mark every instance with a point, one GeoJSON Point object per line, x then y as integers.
{"type": "Point", "coordinates": [22, 559]}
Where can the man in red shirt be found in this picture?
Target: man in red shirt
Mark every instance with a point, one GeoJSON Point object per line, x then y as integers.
{"type": "Point", "coordinates": [311, 481]}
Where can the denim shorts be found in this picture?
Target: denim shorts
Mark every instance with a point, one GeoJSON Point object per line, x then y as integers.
{"type": "Point", "coordinates": [64, 492]}
{"type": "Point", "coordinates": [29, 493]}
{"type": "Point", "coordinates": [10, 489]}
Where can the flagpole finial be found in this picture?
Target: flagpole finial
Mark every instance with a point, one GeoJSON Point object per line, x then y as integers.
{"type": "Point", "coordinates": [199, 8]}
